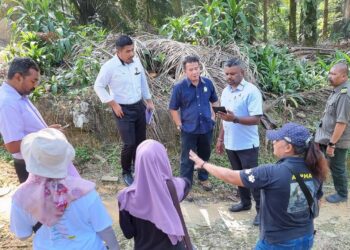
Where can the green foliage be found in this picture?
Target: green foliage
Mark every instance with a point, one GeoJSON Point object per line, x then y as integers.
{"type": "Point", "coordinates": [282, 73]}
{"type": "Point", "coordinates": [217, 22]}
{"type": "Point", "coordinates": [82, 154]}
{"type": "Point", "coordinates": [44, 33]}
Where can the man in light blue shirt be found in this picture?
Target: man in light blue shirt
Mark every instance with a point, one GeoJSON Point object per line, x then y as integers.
{"type": "Point", "coordinates": [128, 93]}
{"type": "Point", "coordinates": [239, 129]}
{"type": "Point", "coordinates": [18, 116]}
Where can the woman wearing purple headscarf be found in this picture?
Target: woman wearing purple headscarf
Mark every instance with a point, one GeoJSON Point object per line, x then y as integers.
{"type": "Point", "coordinates": [147, 212]}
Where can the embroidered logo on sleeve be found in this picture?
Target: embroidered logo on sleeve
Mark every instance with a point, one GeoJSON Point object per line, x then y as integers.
{"type": "Point", "coordinates": [247, 171]}
{"type": "Point", "coordinates": [251, 178]}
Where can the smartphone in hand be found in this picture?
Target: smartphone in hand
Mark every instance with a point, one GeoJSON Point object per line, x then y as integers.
{"type": "Point", "coordinates": [221, 109]}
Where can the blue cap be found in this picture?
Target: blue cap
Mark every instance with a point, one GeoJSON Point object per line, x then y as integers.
{"type": "Point", "coordinates": [293, 133]}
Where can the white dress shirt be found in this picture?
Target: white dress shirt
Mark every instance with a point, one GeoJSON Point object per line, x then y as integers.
{"type": "Point", "coordinates": [127, 83]}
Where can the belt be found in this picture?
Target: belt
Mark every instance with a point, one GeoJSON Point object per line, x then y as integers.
{"type": "Point", "coordinates": [133, 104]}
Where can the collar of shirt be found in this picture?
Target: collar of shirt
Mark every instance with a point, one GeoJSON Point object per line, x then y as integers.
{"type": "Point", "coordinates": [189, 83]}
{"type": "Point", "coordinates": [240, 86]}
{"type": "Point", "coordinates": [12, 91]}
{"type": "Point", "coordinates": [338, 88]}
{"type": "Point", "coordinates": [295, 159]}
{"type": "Point", "coordinates": [120, 62]}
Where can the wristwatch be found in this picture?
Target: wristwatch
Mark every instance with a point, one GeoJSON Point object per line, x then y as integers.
{"type": "Point", "coordinates": [235, 120]}
{"type": "Point", "coordinates": [331, 144]}
{"type": "Point", "coordinates": [179, 127]}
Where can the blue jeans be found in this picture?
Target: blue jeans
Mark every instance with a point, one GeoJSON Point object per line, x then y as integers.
{"type": "Point", "coordinates": [199, 143]}
{"type": "Point", "coordinates": [302, 243]}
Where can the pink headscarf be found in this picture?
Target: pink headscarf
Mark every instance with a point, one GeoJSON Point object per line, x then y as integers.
{"type": "Point", "coordinates": [46, 199]}
{"type": "Point", "coordinates": [148, 197]}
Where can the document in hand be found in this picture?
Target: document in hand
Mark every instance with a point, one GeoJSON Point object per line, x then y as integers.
{"type": "Point", "coordinates": [149, 116]}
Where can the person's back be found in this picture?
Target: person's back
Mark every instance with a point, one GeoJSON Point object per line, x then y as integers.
{"type": "Point", "coordinates": [76, 229]}
{"type": "Point", "coordinates": [146, 209]}
{"type": "Point", "coordinates": [285, 213]}
{"type": "Point", "coordinates": [63, 212]}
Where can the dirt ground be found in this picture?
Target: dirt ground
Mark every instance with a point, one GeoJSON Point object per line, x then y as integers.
{"type": "Point", "coordinates": [210, 224]}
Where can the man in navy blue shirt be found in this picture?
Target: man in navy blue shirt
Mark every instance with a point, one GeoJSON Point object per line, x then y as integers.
{"type": "Point", "coordinates": [193, 96]}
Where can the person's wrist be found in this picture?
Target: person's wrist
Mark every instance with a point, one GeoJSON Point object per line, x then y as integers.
{"type": "Point", "coordinates": [202, 165]}
{"type": "Point", "coordinates": [235, 119]}
{"type": "Point", "coordinates": [331, 145]}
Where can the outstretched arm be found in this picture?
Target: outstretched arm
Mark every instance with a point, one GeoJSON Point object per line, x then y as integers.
{"type": "Point", "coordinates": [225, 174]}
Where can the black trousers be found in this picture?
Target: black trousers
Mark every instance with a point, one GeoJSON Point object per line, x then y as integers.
{"type": "Point", "coordinates": [20, 167]}
{"type": "Point", "coordinates": [132, 130]}
{"type": "Point", "coordinates": [245, 159]}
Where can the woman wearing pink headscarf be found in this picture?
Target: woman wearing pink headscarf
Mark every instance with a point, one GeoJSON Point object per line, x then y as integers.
{"type": "Point", "coordinates": [147, 212]}
{"type": "Point", "coordinates": [62, 211]}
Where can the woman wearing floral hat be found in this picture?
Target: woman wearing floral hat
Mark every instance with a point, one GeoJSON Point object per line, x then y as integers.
{"type": "Point", "coordinates": [287, 209]}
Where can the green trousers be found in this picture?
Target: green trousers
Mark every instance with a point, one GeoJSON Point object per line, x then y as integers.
{"type": "Point", "coordinates": [338, 166]}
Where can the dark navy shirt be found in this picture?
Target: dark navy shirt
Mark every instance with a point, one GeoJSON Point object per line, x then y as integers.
{"type": "Point", "coordinates": [284, 211]}
{"type": "Point", "coordinates": [194, 104]}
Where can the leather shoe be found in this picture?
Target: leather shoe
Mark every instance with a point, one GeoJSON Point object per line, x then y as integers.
{"type": "Point", "coordinates": [256, 221]}
{"type": "Point", "coordinates": [128, 179]}
{"type": "Point", "coordinates": [206, 185]}
{"type": "Point", "coordinates": [240, 207]}
{"type": "Point", "coordinates": [336, 198]}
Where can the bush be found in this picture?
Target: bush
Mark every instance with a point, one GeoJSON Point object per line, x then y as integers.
{"type": "Point", "coordinates": [281, 73]}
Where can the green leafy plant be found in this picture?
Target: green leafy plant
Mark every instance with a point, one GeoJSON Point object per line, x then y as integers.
{"type": "Point", "coordinates": [217, 22]}
{"type": "Point", "coordinates": [82, 154]}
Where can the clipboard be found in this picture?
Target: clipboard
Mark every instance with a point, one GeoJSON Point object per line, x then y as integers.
{"type": "Point", "coordinates": [149, 116]}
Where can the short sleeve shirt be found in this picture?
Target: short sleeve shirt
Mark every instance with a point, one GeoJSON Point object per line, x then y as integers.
{"type": "Point", "coordinates": [75, 230]}
{"type": "Point", "coordinates": [245, 100]}
{"type": "Point", "coordinates": [337, 110]}
{"type": "Point", "coordinates": [284, 210]}
{"type": "Point", "coordinates": [18, 116]}
{"type": "Point", "coordinates": [194, 104]}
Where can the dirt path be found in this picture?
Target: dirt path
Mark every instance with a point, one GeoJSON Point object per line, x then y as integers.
{"type": "Point", "coordinates": [210, 224]}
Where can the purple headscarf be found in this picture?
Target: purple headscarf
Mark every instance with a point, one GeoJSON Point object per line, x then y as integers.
{"type": "Point", "coordinates": [148, 198]}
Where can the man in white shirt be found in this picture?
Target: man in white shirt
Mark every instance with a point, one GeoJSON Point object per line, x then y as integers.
{"type": "Point", "coordinates": [239, 129]}
{"type": "Point", "coordinates": [129, 96]}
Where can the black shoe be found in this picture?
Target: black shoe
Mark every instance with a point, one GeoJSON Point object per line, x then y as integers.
{"type": "Point", "coordinates": [128, 179]}
{"type": "Point", "coordinates": [256, 221]}
{"type": "Point", "coordinates": [240, 207]}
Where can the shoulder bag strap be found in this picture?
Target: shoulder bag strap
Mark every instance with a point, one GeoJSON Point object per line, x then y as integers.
{"type": "Point", "coordinates": [176, 203]}
{"type": "Point", "coordinates": [304, 188]}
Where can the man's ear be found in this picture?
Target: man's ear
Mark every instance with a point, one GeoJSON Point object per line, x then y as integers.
{"type": "Point", "coordinates": [17, 77]}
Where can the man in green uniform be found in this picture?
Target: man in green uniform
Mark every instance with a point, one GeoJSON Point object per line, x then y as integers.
{"type": "Point", "coordinates": [333, 134]}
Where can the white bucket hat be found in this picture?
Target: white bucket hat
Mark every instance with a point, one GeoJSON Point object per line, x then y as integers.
{"type": "Point", "coordinates": [47, 153]}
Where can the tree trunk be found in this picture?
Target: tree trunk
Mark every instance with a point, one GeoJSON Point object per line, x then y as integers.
{"type": "Point", "coordinates": [347, 10]}
{"type": "Point", "coordinates": [325, 19]}
{"type": "Point", "coordinates": [310, 22]}
{"type": "Point", "coordinates": [265, 19]}
{"type": "Point", "coordinates": [85, 9]}
{"type": "Point", "coordinates": [293, 21]}
{"type": "Point", "coordinates": [143, 11]}
{"type": "Point", "coordinates": [177, 7]}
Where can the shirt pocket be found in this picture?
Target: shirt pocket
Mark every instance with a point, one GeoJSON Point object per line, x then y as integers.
{"type": "Point", "coordinates": [330, 107]}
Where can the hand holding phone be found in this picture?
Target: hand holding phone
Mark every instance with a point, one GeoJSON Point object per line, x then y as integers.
{"type": "Point", "coordinates": [219, 109]}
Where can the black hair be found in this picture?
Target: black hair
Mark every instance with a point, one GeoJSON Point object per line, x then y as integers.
{"type": "Point", "coordinates": [314, 159]}
{"type": "Point", "coordinates": [234, 62]}
{"type": "Point", "coordinates": [21, 65]}
{"type": "Point", "coordinates": [123, 41]}
{"type": "Point", "coordinates": [189, 59]}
